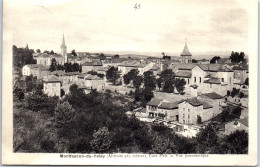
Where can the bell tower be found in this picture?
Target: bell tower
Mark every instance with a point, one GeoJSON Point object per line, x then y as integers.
{"type": "Point", "coordinates": [63, 49]}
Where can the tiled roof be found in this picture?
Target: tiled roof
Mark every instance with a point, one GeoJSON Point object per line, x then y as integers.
{"type": "Point", "coordinates": [92, 77]}
{"type": "Point", "coordinates": [154, 102]}
{"type": "Point", "coordinates": [134, 64]}
{"type": "Point", "coordinates": [92, 64]}
{"type": "Point", "coordinates": [242, 67]}
{"type": "Point", "coordinates": [59, 72]}
{"type": "Point", "coordinates": [43, 55]}
{"type": "Point", "coordinates": [213, 95]}
{"type": "Point", "coordinates": [214, 67]}
{"type": "Point", "coordinates": [168, 105]}
{"type": "Point", "coordinates": [34, 65]}
{"type": "Point", "coordinates": [52, 79]}
{"type": "Point", "coordinates": [244, 121]}
{"type": "Point", "coordinates": [56, 56]}
{"type": "Point", "coordinates": [213, 81]}
{"type": "Point", "coordinates": [185, 74]}
{"type": "Point", "coordinates": [196, 102]}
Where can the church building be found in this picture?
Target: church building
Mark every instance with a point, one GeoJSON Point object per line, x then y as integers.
{"type": "Point", "coordinates": [45, 59]}
{"type": "Point", "coordinates": [186, 56]}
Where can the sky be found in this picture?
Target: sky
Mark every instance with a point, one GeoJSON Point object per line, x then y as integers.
{"type": "Point", "coordinates": [210, 27]}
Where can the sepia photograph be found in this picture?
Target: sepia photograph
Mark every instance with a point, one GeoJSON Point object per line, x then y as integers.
{"type": "Point", "coordinates": [138, 79]}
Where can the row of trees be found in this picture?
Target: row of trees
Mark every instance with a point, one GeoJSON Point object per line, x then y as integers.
{"type": "Point", "coordinates": [67, 67]}
{"type": "Point", "coordinates": [237, 57]}
{"type": "Point", "coordinates": [168, 82]}
{"type": "Point", "coordinates": [22, 56]}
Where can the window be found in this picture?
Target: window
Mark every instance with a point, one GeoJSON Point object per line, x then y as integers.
{"type": "Point", "coordinates": [194, 79]}
{"type": "Point", "coordinates": [188, 110]}
{"type": "Point", "coordinates": [188, 81]}
{"type": "Point", "coordinates": [200, 79]}
{"type": "Point", "coordinates": [222, 79]}
{"type": "Point", "coordinates": [188, 116]}
{"type": "Point", "coordinates": [183, 109]}
{"type": "Point", "coordinates": [183, 115]}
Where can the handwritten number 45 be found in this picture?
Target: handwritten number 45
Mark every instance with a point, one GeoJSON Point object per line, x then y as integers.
{"type": "Point", "coordinates": [137, 6]}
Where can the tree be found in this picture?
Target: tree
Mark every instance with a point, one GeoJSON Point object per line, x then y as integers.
{"type": "Point", "coordinates": [179, 85]}
{"type": "Point", "coordinates": [149, 80]}
{"type": "Point", "coordinates": [22, 56]}
{"type": "Point", "coordinates": [208, 137]}
{"type": "Point", "coordinates": [116, 56]}
{"type": "Point", "coordinates": [63, 114]}
{"type": "Point", "coordinates": [102, 56]}
{"type": "Point", "coordinates": [237, 57]}
{"type": "Point", "coordinates": [101, 142]}
{"type": "Point", "coordinates": [241, 94]}
{"type": "Point", "coordinates": [237, 142]}
{"type": "Point", "coordinates": [38, 101]}
{"type": "Point", "coordinates": [52, 52]}
{"type": "Point", "coordinates": [62, 92]}
{"type": "Point", "coordinates": [73, 88]}
{"type": "Point", "coordinates": [159, 83]}
{"type": "Point", "coordinates": [137, 81]}
{"type": "Point", "coordinates": [247, 81]}
{"type": "Point", "coordinates": [214, 59]}
{"type": "Point", "coordinates": [38, 51]}
{"type": "Point", "coordinates": [237, 112]}
{"type": "Point", "coordinates": [73, 52]}
{"type": "Point", "coordinates": [53, 66]}
{"type": "Point", "coordinates": [194, 61]}
{"type": "Point", "coordinates": [112, 75]}
{"type": "Point", "coordinates": [46, 51]}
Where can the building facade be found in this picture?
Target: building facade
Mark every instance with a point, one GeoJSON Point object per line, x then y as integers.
{"type": "Point", "coordinates": [52, 86]}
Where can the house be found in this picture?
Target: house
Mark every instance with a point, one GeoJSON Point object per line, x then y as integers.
{"type": "Point", "coordinates": [141, 66]}
{"type": "Point", "coordinates": [37, 70]}
{"type": "Point", "coordinates": [216, 100]}
{"type": "Point", "coordinates": [91, 66]}
{"type": "Point", "coordinates": [52, 86]}
{"type": "Point", "coordinates": [240, 73]}
{"type": "Point", "coordinates": [163, 109]}
{"type": "Point", "coordinates": [239, 124]}
{"type": "Point", "coordinates": [91, 81]}
{"type": "Point", "coordinates": [191, 110]}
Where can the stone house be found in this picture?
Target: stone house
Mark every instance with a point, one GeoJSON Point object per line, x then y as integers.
{"type": "Point", "coordinates": [91, 66]}
{"type": "Point", "coordinates": [162, 109]}
{"type": "Point", "coordinates": [37, 70]}
{"type": "Point", "coordinates": [141, 66]}
{"type": "Point", "coordinates": [191, 109]}
{"type": "Point", "coordinates": [52, 86]}
{"type": "Point", "coordinates": [91, 81]}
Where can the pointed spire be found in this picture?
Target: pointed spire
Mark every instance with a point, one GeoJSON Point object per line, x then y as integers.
{"type": "Point", "coordinates": [63, 41]}
{"type": "Point", "coordinates": [186, 51]}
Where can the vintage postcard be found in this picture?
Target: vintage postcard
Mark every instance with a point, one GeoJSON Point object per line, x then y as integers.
{"type": "Point", "coordinates": [136, 82]}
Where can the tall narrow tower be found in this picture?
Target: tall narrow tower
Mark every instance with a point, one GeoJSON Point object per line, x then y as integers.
{"type": "Point", "coordinates": [63, 49]}
{"type": "Point", "coordinates": [186, 56]}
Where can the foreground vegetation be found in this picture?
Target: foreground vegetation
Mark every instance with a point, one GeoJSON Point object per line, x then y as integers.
{"type": "Point", "coordinates": [93, 123]}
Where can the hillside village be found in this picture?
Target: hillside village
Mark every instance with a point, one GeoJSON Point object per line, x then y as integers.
{"type": "Point", "coordinates": [183, 94]}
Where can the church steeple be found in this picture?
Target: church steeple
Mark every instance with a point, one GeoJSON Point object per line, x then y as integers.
{"type": "Point", "coordinates": [63, 41]}
{"type": "Point", "coordinates": [63, 49]}
{"type": "Point", "coordinates": [186, 55]}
